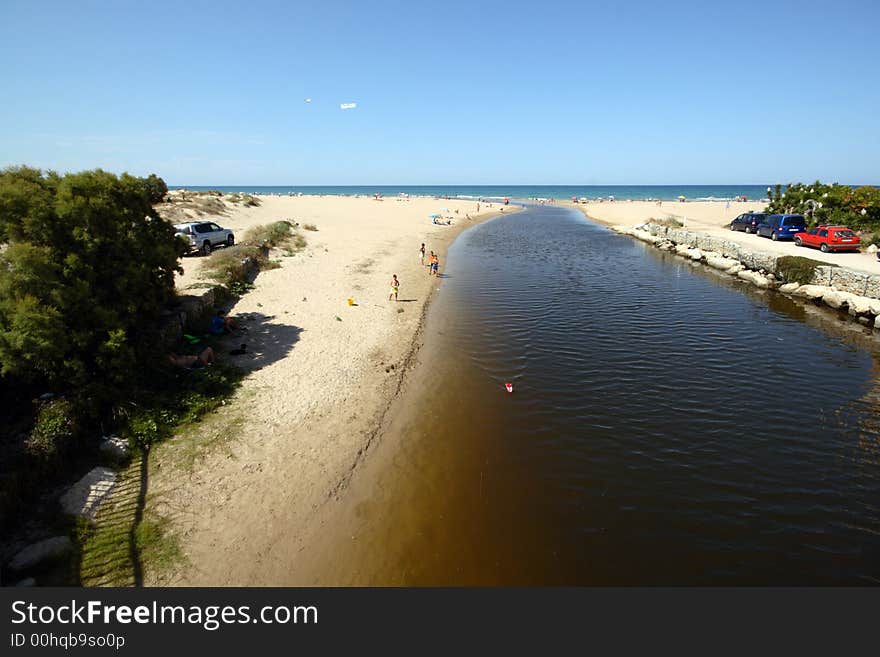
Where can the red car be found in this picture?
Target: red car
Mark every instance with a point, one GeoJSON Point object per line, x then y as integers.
{"type": "Point", "coordinates": [829, 238]}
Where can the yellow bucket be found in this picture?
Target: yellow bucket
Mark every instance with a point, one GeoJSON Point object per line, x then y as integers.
{"type": "Point", "coordinates": [350, 301]}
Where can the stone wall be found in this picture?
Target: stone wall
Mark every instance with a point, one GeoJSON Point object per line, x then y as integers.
{"type": "Point", "coordinates": [839, 288]}
{"type": "Point", "coordinates": [842, 279]}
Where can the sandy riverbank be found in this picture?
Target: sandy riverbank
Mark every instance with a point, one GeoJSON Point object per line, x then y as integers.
{"type": "Point", "coordinates": [713, 218]}
{"type": "Point", "coordinates": [241, 489]}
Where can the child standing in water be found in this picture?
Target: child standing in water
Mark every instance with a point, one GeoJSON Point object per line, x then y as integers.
{"type": "Point", "coordinates": [435, 265]}
{"type": "Point", "coordinates": [395, 284]}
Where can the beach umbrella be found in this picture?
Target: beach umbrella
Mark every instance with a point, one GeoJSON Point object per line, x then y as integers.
{"type": "Point", "coordinates": [681, 196]}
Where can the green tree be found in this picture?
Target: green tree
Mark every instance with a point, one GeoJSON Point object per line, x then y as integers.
{"type": "Point", "coordinates": [86, 267]}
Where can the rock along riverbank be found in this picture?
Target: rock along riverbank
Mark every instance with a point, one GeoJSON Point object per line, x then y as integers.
{"type": "Point", "coordinates": [839, 288]}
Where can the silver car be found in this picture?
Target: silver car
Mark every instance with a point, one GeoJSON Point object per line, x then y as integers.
{"type": "Point", "coordinates": [204, 236]}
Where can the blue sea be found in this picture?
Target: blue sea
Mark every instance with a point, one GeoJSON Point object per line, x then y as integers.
{"type": "Point", "coordinates": [558, 192]}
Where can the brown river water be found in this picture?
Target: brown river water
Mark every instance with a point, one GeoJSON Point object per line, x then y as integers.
{"type": "Point", "coordinates": [668, 425]}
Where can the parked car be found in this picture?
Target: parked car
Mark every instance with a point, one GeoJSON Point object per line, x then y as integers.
{"type": "Point", "coordinates": [748, 222]}
{"type": "Point", "coordinates": [203, 236]}
{"type": "Point", "coordinates": [782, 226]}
{"type": "Point", "coordinates": [829, 238]}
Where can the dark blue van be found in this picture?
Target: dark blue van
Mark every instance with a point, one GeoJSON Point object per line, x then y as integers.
{"type": "Point", "coordinates": [782, 226]}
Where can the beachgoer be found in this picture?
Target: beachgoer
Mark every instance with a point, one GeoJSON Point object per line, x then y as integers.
{"type": "Point", "coordinates": [395, 285]}
{"type": "Point", "coordinates": [189, 361]}
{"type": "Point", "coordinates": [221, 324]}
{"type": "Point", "coordinates": [430, 261]}
{"type": "Point", "coordinates": [422, 253]}
{"type": "Point", "coordinates": [435, 266]}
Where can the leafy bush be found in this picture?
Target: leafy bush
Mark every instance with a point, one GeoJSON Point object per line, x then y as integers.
{"type": "Point", "coordinates": [156, 188]}
{"type": "Point", "coordinates": [232, 264]}
{"type": "Point", "coordinates": [246, 200]}
{"type": "Point", "coordinates": [829, 204]}
{"type": "Point", "coordinates": [269, 235]}
{"type": "Point", "coordinates": [87, 264]}
{"type": "Point", "coordinates": [53, 433]}
{"type": "Point", "coordinates": [171, 401]}
{"type": "Point", "coordinates": [797, 269]}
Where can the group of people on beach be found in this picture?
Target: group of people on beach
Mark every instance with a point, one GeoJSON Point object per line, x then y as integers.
{"type": "Point", "coordinates": [431, 261]}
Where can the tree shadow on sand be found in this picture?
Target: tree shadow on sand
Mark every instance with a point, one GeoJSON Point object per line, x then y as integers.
{"type": "Point", "coordinates": [266, 338]}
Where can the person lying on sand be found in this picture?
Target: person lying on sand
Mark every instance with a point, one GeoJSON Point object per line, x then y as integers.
{"type": "Point", "coordinates": [191, 362]}
{"type": "Point", "coordinates": [221, 324]}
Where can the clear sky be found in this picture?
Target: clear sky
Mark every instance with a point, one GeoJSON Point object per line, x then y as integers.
{"type": "Point", "coordinates": [447, 92]}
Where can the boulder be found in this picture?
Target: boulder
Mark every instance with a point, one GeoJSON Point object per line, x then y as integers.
{"type": "Point", "coordinates": [720, 262]}
{"type": "Point", "coordinates": [115, 447]}
{"type": "Point", "coordinates": [811, 291]}
{"type": "Point", "coordinates": [694, 254]}
{"type": "Point", "coordinates": [834, 299]}
{"type": "Point", "coordinates": [872, 248]}
{"type": "Point", "coordinates": [85, 497]}
{"type": "Point", "coordinates": [754, 278]}
{"type": "Point", "coordinates": [789, 288]}
{"type": "Point", "coordinates": [49, 549]}
{"type": "Point", "coordinates": [735, 269]}
{"type": "Point", "coordinates": [682, 249]}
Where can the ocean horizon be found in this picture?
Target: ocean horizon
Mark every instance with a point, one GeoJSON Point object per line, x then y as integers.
{"type": "Point", "coordinates": [558, 192]}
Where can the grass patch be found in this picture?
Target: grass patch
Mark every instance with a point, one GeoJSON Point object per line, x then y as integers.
{"type": "Point", "coordinates": [114, 549]}
{"type": "Point", "coordinates": [176, 399]}
{"type": "Point", "coordinates": [155, 543]}
{"type": "Point", "coordinates": [247, 200]}
{"type": "Point", "coordinates": [234, 266]}
{"type": "Point", "coordinates": [669, 222]}
{"type": "Point", "coordinates": [797, 269]}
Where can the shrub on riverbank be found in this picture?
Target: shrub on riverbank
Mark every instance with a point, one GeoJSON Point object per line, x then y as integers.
{"type": "Point", "coordinates": [797, 269]}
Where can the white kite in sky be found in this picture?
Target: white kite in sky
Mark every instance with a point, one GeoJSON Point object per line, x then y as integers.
{"type": "Point", "coordinates": [348, 106]}
{"type": "Point", "coordinates": [308, 100]}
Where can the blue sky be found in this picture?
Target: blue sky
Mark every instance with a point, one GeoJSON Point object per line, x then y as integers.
{"type": "Point", "coordinates": [447, 92]}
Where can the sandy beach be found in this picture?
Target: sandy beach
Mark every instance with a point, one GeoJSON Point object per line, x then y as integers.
{"type": "Point", "coordinates": [241, 489]}
{"type": "Point", "coordinates": [713, 218]}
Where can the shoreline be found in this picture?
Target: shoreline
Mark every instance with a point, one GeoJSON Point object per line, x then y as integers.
{"type": "Point", "coordinates": [243, 517]}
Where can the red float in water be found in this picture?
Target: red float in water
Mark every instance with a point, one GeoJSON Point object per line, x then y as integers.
{"type": "Point", "coordinates": [509, 387]}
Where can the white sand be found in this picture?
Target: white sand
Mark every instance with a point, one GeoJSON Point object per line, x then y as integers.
{"type": "Point", "coordinates": [713, 218]}
{"type": "Point", "coordinates": [314, 400]}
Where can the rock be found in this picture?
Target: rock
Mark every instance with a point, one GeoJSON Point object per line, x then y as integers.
{"type": "Point", "coordinates": [877, 322]}
{"type": "Point", "coordinates": [859, 305]}
{"type": "Point", "coordinates": [811, 291]}
{"type": "Point", "coordinates": [115, 447]}
{"type": "Point", "coordinates": [720, 262]}
{"type": "Point", "coordinates": [789, 288]}
{"type": "Point", "coordinates": [36, 553]}
{"type": "Point", "coordinates": [682, 249]}
{"type": "Point", "coordinates": [754, 278]}
{"type": "Point", "coordinates": [872, 248]}
{"type": "Point", "coordinates": [84, 498]}
{"type": "Point", "coordinates": [834, 299]}
{"type": "Point", "coordinates": [865, 320]}
{"type": "Point", "coordinates": [735, 269]}
{"type": "Point", "coordinates": [695, 254]}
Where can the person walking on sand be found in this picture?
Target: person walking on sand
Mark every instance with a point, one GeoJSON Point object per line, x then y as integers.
{"type": "Point", "coordinates": [422, 253]}
{"type": "Point", "coordinates": [395, 285]}
{"type": "Point", "coordinates": [435, 266]}
{"type": "Point", "coordinates": [430, 261]}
